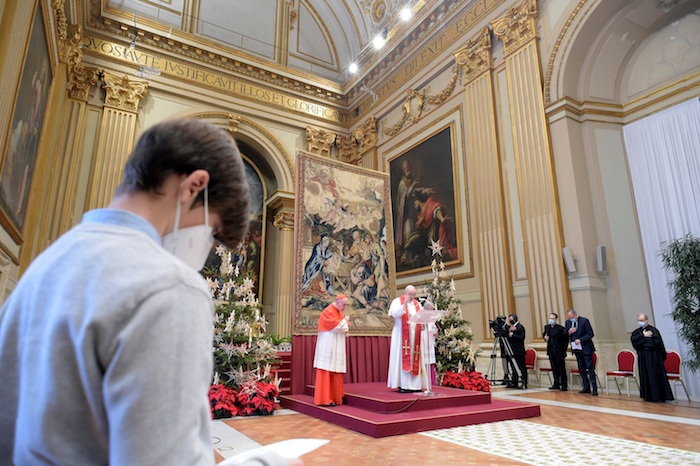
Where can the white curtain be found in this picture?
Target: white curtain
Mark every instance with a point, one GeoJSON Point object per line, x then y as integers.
{"type": "Point", "coordinates": [663, 152]}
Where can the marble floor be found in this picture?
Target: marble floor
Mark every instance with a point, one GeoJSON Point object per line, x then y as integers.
{"type": "Point", "coordinates": [574, 429]}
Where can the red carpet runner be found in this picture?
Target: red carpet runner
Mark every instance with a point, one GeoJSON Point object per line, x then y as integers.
{"type": "Point", "coordinates": [375, 410]}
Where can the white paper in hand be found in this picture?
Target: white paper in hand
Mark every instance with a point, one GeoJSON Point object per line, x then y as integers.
{"type": "Point", "coordinates": [289, 449]}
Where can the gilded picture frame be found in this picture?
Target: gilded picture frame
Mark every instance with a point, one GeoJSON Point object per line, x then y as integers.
{"type": "Point", "coordinates": [426, 202]}
{"type": "Point", "coordinates": [25, 130]}
{"type": "Point", "coordinates": [343, 244]}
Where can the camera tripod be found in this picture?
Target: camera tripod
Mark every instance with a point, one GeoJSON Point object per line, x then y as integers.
{"type": "Point", "coordinates": [511, 371]}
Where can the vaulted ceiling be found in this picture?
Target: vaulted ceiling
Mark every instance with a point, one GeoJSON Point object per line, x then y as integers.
{"type": "Point", "coordinates": [319, 37]}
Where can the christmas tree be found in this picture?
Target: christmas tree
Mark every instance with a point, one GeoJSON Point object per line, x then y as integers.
{"type": "Point", "coordinates": [453, 343]}
{"type": "Point", "coordinates": [244, 382]}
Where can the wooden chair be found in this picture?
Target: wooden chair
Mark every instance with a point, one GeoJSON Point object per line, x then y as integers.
{"type": "Point", "coordinates": [576, 372]}
{"type": "Point", "coordinates": [672, 364]}
{"type": "Point", "coordinates": [531, 362]}
{"type": "Point", "coordinates": [626, 360]}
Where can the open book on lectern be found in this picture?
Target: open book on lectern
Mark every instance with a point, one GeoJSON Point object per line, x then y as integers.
{"type": "Point", "coordinates": [426, 316]}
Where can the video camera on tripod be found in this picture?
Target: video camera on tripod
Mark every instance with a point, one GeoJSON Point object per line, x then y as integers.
{"type": "Point", "coordinates": [511, 371]}
{"type": "Point", "coordinates": [499, 326]}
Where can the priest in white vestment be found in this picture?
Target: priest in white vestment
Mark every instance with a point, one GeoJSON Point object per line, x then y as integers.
{"type": "Point", "coordinates": [409, 364]}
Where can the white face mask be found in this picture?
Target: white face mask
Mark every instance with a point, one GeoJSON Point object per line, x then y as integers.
{"type": "Point", "coordinates": [551, 321]}
{"type": "Point", "coordinates": [192, 244]}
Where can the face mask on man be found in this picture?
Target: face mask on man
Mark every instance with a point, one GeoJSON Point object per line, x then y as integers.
{"type": "Point", "coordinates": [192, 244]}
{"type": "Point", "coordinates": [641, 323]}
{"type": "Point", "coordinates": [552, 321]}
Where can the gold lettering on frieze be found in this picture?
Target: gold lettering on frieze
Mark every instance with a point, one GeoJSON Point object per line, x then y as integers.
{"type": "Point", "coordinates": [212, 80]}
{"type": "Point", "coordinates": [319, 141]}
{"type": "Point", "coordinates": [475, 57]}
{"type": "Point", "coordinates": [517, 27]}
{"type": "Point", "coordinates": [451, 33]}
{"type": "Point", "coordinates": [122, 92]}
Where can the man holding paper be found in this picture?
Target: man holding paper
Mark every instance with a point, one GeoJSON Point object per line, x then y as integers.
{"type": "Point", "coordinates": [581, 335]}
{"type": "Point", "coordinates": [407, 363]}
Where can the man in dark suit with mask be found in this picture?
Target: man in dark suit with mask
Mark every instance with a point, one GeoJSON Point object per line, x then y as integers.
{"type": "Point", "coordinates": [516, 338]}
{"type": "Point", "coordinates": [557, 341]}
{"type": "Point", "coordinates": [581, 335]}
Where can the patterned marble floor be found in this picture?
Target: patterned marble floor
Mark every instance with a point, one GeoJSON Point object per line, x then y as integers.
{"type": "Point", "coordinates": [609, 430]}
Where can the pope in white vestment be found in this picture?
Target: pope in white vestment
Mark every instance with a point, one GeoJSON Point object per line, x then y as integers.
{"type": "Point", "coordinates": [409, 358]}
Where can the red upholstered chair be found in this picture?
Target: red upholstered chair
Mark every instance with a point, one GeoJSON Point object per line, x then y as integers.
{"type": "Point", "coordinates": [548, 371]}
{"type": "Point", "coordinates": [672, 364]}
{"type": "Point", "coordinates": [576, 372]}
{"type": "Point", "coordinates": [626, 360]}
{"type": "Point", "coordinates": [531, 362]}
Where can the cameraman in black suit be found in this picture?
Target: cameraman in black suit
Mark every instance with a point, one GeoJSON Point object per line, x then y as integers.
{"type": "Point", "coordinates": [557, 341]}
{"type": "Point", "coordinates": [516, 338]}
{"type": "Point", "coordinates": [581, 335]}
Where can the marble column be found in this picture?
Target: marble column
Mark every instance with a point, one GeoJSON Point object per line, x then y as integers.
{"type": "Point", "coordinates": [281, 206]}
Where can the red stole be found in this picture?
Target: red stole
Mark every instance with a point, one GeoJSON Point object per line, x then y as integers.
{"type": "Point", "coordinates": [406, 363]}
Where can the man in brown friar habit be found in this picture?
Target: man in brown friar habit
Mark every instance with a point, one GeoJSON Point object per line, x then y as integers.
{"type": "Point", "coordinates": [407, 364]}
{"type": "Point", "coordinates": [329, 359]}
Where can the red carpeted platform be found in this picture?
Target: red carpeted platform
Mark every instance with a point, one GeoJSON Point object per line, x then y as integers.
{"type": "Point", "coordinates": [375, 410]}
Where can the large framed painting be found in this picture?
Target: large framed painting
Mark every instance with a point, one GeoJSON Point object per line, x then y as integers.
{"type": "Point", "coordinates": [249, 255]}
{"type": "Point", "coordinates": [25, 131]}
{"type": "Point", "coordinates": [344, 244]}
{"type": "Point", "coordinates": [425, 202]}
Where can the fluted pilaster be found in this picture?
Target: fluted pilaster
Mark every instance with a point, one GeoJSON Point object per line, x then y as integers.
{"type": "Point", "coordinates": [116, 135]}
{"type": "Point", "coordinates": [539, 205]}
{"type": "Point", "coordinates": [485, 168]}
{"type": "Point", "coordinates": [282, 208]}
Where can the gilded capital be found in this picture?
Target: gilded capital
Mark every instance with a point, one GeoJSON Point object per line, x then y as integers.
{"type": "Point", "coordinates": [518, 26]}
{"type": "Point", "coordinates": [284, 220]}
{"type": "Point", "coordinates": [366, 134]}
{"type": "Point", "coordinates": [347, 149]}
{"type": "Point", "coordinates": [319, 141]}
{"type": "Point", "coordinates": [475, 57]}
{"type": "Point", "coordinates": [81, 78]}
{"type": "Point", "coordinates": [123, 93]}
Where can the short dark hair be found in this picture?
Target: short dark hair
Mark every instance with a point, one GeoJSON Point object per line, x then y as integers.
{"type": "Point", "coordinates": [514, 316]}
{"type": "Point", "coordinates": [553, 314]}
{"type": "Point", "coordinates": [182, 146]}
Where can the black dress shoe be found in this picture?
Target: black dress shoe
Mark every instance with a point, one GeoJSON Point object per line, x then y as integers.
{"type": "Point", "coordinates": [554, 387]}
{"type": "Point", "coordinates": [594, 393]}
{"type": "Point", "coordinates": [332, 403]}
{"type": "Point", "coordinates": [564, 389]}
{"type": "Point", "coordinates": [401, 390]}
{"type": "Point", "coordinates": [587, 390]}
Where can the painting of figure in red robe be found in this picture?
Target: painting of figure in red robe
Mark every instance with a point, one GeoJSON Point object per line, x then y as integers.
{"type": "Point", "coordinates": [424, 200]}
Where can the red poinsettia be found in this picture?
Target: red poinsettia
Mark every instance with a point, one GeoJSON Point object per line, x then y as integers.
{"type": "Point", "coordinates": [223, 401]}
{"type": "Point", "coordinates": [253, 398]}
{"type": "Point", "coordinates": [466, 380]}
{"type": "Point", "coordinates": [258, 397]}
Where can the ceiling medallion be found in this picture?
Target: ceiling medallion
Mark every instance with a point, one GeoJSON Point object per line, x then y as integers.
{"type": "Point", "coordinates": [378, 11]}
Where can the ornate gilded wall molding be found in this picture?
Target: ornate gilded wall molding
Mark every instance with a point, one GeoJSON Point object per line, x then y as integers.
{"type": "Point", "coordinates": [319, 141]}
{"type": "Point", "coordinates": [517, 27]}
{"type": "Point", "coordinates": [415, 103]}
{"type": "Point", "coordinates": [284, 220]}
{"type": "Point", "coordinates": [233, 122]}
{"type": "Point", "coordinates": [348, 150]}
{"type": "Point", "coordinates": [366, 134]}
{"type": "Point", "coordinates": [81, 78]}
{"type": "Point", "coordinates": [59, 9]}
{"type": "Point", "coordinates": [122, 92]}
{"type": "Point", "coordinates": [475, 57]}
{"type": "Point", "coordinates": [558, 46]}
